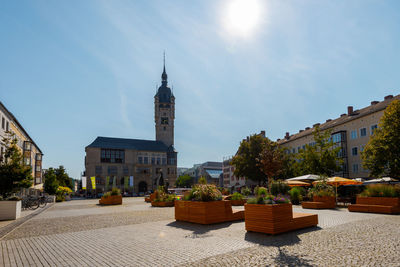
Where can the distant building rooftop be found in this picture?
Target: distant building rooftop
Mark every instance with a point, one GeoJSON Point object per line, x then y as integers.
{"type": "Point", "coordinates": [123, 143]}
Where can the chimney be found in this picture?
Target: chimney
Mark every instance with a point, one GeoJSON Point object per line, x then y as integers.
{"type": "Point", "coordinates": [287, 135]}
{"type": "Point", "coordinates": [374, 103]}
{"type": "Point", "coordinates": [349, 110]}
{"type": "Point", "coordinates": [277, 140]}
{"type": "Point", "coordinates": [388, 97]}
{"type": "Point", "coordinates": [328, 120]}
{"type": "Point", "coordinates": [248, 139]}
{"type": "Point", "coordinates": [317, 124]}
{"type": "Point", "coordinates": [263, 133]}
{"type": "Point", "coordinates": [342, 115]}
{"type": "Point", "coordinates": [300, 131]}
{"type": "Point", "coordinates": [307, 128]}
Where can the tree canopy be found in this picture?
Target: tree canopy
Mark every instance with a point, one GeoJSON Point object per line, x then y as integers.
{"type": "Point", "coordinates": [246, 159]}
{"type": "Point", "coordinates": [14, 174]}
{"type": "Point", "coordinates": [321, 158]}
{"type": "Point", "coordinates": [271, 159]}
{"type": "Point", "coordinates": [50, 182]}
{"type": "Point", "coordinates": [184, 181]}
{"type": "Point", "coordinates": [381, 155]}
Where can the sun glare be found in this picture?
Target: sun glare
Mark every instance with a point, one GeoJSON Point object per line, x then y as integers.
{"type": "Point", "coordinates": [242, 16]}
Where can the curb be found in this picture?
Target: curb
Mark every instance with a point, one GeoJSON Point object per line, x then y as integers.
{"type": "Point", "coordinates": [14, 225]}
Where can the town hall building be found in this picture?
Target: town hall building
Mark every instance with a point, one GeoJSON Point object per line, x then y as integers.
{"type": "Point", "coordinates": [135, 165]}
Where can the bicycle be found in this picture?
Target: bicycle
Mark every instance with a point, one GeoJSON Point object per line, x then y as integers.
{"type": "Point", "coordinates": [43, 201]}
{"type": "Point", "coordinates": [30, 202]}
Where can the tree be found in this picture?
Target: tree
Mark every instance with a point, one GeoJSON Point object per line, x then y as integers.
{"type": "Point", "coordinates": [321, 158]}
{"type": "Point", "coordinates": [271, 159]}
{"type": "Point", "coordinates": [245, 160]}
{"type": "Point", "coordinates": [381, 155]}
{"type": "Point", "coordinates": [184, 181]}
{"type": "Point", "coordinates": [50, 182]}
{"type": "Point", "coordinates": [62, 177]}
{"type": "Point", "coordinates": [13, 173]}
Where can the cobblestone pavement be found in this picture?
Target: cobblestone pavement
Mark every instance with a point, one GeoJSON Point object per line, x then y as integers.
{"type": "Point", "coordinates": [80, 233]}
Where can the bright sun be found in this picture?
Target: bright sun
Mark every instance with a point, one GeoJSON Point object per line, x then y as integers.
{"type": "Point", "coordinates": [242, 16]}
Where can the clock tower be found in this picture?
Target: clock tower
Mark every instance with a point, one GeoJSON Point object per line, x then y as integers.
{"type": "Point", "coordinates": [164, 112]}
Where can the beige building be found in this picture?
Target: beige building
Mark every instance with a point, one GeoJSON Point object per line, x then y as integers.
{"type": "Point", "coordinates": [31, 152]}
{"type": "Point", "coordinates": [351, 131]}
{"type": "Point", "coordinates": [135, 165]}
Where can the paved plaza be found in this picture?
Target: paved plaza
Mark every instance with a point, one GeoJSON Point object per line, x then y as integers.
{"type": "Point", "coordinates": [82, 233]}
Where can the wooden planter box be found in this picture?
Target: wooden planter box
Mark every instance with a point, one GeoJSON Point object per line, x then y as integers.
{"type": "Point", "coordinates": [162, 204]}
{"type": "Point", "coordinates": [111, 200]}
{"type": "Point", "coordinates": [276, 218]}
{"type": "Point", "coordinates": [150, 198]}
{"type": "Point", "coordinates": [389, 205]}
{"type": "Point", "coordinates": [10, 210]}
{"type": "Point", "coordinates": [320, 203]}
{"type": "Point", "coordinates": [206, 212]}
{"type": "Point", "coordinates": [238, 202]}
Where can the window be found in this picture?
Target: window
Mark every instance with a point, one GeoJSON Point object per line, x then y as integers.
{"type": "Point", "coordinates": [336, 138]}
{"type": "Point", "coordinates": [354, 151]}
{"type": "Point", "coordinates": [298, 149]}
{"type": "Point", "coordinates": [27, 146]}
{"type": "Point", "coordinates": [27, 161]}
{"type": "Point", "coordinates": [355, 168]}
{"type": "Point", "coordinates": [112, 155]}
{"type": "Point", "coordinates": [304, 147]}
{"type": "Point", "coordinates": [153, 160]}
{"type": "Point", "coordinates": [353, 134]}
{"type": "Point", "coordinates": [373, 127]}
{"type": "Point", "coordinates": [38, 156]}
{"type": "Point", "coordinates": [293, 150]}
{"type": "Point", "coordinates": [3, 123]}
{"type": "Point", "coordinates": [140, 160]}
{"type": "Point", "coordinates": [112, 170]}
{"type": "Point", "coordinates": [363, 132]}
{"type": "Point", "coordinates": [126, 170]}
{"type": "Point", "coordinates": [158, 161]}
{"type": "Point", "coordinates": [362, 148]}
{"type": "Point", "coordinates": [7, 126]}
{"type": "Point", "coordinates": [146, 160]}
{"type": "Point", "coordinates": [98, 170]}
{"type": "Point", "coordinates": [38, 168]}
{"type": "Point", "coordinates": [164, 161]}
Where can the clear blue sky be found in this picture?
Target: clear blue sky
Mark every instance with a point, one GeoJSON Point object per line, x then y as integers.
{"type": "Point", "coordinates": [74, 70]}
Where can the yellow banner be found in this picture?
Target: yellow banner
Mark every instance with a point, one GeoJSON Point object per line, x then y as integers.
{"type": "Point", "coordinates": [93, 182]}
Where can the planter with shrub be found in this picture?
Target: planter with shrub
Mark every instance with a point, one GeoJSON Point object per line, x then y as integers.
{"type": "Point", "coordinates": [237, 199]}
{"type": "Point", "coordinates": [323, 196]}
{"type": "Point", "coordinates": [113, 197]}
{"type": "Point", "coordinates": [204, 205]}
{"type": "Point", "coordinates": [273, 214]}
{"type": "Point", "coordinates": [10, 209]}
{"type": "Point", "coordinates": [378, 199]}
{"type": "Point", "coordinates": [162, 199]}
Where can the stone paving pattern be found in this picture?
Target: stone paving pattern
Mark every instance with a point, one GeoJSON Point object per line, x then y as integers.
{"type": "Point", "coordinates": [81, 233]}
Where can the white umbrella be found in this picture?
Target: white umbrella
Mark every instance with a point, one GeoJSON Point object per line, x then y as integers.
{"type": "Point", "coordinates": [305, 177]}
{"type": "Point", "coordinates": [380, 180]}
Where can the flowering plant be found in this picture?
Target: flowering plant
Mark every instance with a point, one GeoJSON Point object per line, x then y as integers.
{"type": "Point", "coordinates": [204, 192]}
{"type": "Point", "coordinates": [269, 199]}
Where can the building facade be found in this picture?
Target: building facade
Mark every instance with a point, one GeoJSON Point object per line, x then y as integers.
{"type": "Point", "coordinates": [135, 165]}
{"type": "Point", "coordinates": [211, 170]}
{"type": "Point", "coordinates": [351, 131]}
{"type": "Point", "coordinates": [229, 178]}
{"type": "Point", "coordinates": [32, 155]}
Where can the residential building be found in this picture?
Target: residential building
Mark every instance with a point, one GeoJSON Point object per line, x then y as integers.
{"type": "Point", "coordinates": [32, 155]}
{"type": "Point", "coordinates": [351, 131]}
{"type": "Point", "coordinates": [113, 161]}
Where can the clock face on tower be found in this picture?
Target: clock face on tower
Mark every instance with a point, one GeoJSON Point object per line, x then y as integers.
{"type": "Point", "coordinates": [164, 120]}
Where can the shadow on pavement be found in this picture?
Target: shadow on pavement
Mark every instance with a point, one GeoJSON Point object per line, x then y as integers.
{"type": "Point", "coordinates": [199, 229]}
{"type": "Point", "coordinates": [284, 239]}
{"type": "Point", "coordinates": [285, 259]}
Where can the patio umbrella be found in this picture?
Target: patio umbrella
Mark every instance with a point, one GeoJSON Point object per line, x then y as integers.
{"type": "Point", "coordinates": [297, 183]}
{"type": "Point", "coordinates": [305, 178]}
{"type": "Point", "coordinates": [336, 181]}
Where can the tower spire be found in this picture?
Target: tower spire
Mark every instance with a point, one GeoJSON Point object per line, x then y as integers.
{"type": "Point", "coordinates": [164, 76]}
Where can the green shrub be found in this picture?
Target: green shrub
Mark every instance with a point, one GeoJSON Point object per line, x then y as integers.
{"type": "Point", "coordinates": [106, 195]}
{"type": "Point", "coordinates": [204, 192]}
{"type": "Point", "coordinates": [245, 191]}
{"type": "Point", "coordinates": [236, 196]}
{"type": "Point", "coordinates": [296, 195]}
{"type": "Point", "coordinates": [115, 191]}
{"type": "Point", "coordinates": [14, 198]}
{"type": "Point", "coordinates": [162, 196]}
{"type": "Point", "coordinates": [260, 191]}
{"type": "Point", "coordinates": [321, 189]}
{"type": "Point", "coordinates": [60, 198]}
{"type": "Point", "coordinates": [381, 190]}
{"type": "Point", "coordinates": [202, 180]}
{"type": "Point", "coordinates": [252, 201]}
{"type": "Point", "coordinates": [279, 187]}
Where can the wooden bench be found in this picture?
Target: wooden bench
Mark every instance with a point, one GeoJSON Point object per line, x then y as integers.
{"type": "Point", "coordinates": [206, 212]}
{"type": "Point", "coordinates": [376, 205]}
{"type": "Point", "coordinates": [276, 219]}
{"type": "Point", "coordinates": [320, 203]}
